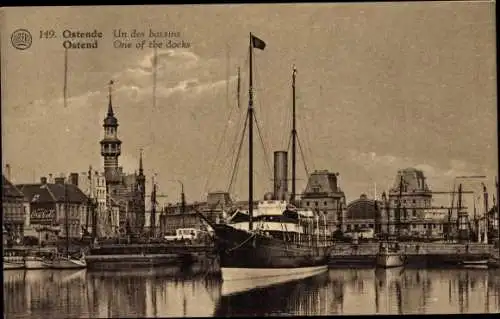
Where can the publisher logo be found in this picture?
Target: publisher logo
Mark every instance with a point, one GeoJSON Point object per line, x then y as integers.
{"type": "Point", "coordinates": [21, 39]}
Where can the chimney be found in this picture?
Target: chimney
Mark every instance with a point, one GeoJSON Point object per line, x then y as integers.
{"type": "Point", "coordinates": [280, 175]}
{"type": "Point", "coordinates": [59, 180]}
{"type": "Point", "coordinates": [43, 180]}
{"type": "Point", "coordinates": [73, 178]}
{"type": "Point", "coordinates": [50, 178]}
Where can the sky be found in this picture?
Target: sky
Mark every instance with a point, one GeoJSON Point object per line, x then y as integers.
{"type": "Point", "coordinates": [380, 87]}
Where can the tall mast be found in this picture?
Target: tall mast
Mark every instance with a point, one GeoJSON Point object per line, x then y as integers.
{"type": "Point", "coordinates": [250, 137]}
{"type": "Point", "coordinates": [486, 226]}
{"type": "Point", "coordinates": [89, 177]}
{"type": "Point", "coordinates": [183, 202]}
{"type": "Point", "coordinates": [93, 204]}
{"type": "Point", "coordinates": [65, 88]}
{"type": "Point", "coordinates": [498, 210]}
{"type": "Point", "coordinates": [294, 137]}
{"type": "Point", "coordinates": [153, 208]}
{"type": "Point", "coordinates": [66, 216]}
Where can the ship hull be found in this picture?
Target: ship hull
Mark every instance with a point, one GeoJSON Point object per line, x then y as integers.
{"type": "Point", "coordinates": [12, 265]}
{"type": "Point", "coordinates": [246, 256]}
{"type": "Point", "coordinates": [66, 263]}
{"type": "Point", "coordinates": [390, 260]}
{"type": "Point", "coordinates": [243, 279]}
{"type": "Point", "coordinates": [35, 263]}
{"type": "Point", "coordinates": [483, 263]}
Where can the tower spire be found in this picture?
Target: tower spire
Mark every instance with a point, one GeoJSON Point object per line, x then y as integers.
{"type": "Point", "coordinates": [110, 105]}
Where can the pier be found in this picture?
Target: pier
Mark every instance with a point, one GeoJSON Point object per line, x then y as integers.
{"type": "Point", "coordinates": [417, 253]}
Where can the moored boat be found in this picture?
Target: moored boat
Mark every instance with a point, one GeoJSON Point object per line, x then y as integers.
{"type": "Point", "coordinates": [34, 262]}
{"type": "Point", "coordinates": [390, 255]}
{"type": "Point", "coordinates": [480, 263]}
{"type": "Point", "coordinates": [9, 265]}
{"type": "Point", "coordinates": [13, 258]}
{"type": "Point", "coordinates": [65, 262]}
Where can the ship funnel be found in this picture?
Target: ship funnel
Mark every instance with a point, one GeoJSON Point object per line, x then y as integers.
{"type": "Point", "coordinates": [280, 175]}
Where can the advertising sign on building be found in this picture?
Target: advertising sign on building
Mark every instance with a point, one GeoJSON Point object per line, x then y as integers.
{"type": "Point", "coordinates": [45, 214]}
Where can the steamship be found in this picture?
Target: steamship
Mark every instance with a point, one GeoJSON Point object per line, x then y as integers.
{"type": "Point", "coordinates": [272, 238]}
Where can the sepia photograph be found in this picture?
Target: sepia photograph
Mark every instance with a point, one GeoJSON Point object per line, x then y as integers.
{"type": "Point", "coordinates": [250, 160]}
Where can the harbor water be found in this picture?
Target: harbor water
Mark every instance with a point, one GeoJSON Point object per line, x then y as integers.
{"type": "Point", "coordinates": [170, 292]}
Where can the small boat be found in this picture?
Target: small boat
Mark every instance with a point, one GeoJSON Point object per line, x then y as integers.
{"type": "Point", "coordinates": [13, 258]}
{"type": "Point", "coordinates": [481, 263]}
{"type": "Point", "coordinates": [35, 259]}
{"type": "Point", "coordinates": [7, 265]}
{"type": "Point", "coordinates": [390, 255]}
{"type": "Point", "coordinates": [65, 262]}
{"type": "Point", "coordinates": [34, 262]}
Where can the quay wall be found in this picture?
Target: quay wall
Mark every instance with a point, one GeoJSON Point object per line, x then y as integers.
{"type": "Point", "coordinates": [410, 248]}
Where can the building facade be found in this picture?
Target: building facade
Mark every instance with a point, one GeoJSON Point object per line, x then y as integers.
{"type": "Point", "coordinates": [409, 201]}
{"type": "Point", "coordinates": [126, 191]}
{"type": "Point", "coordinates": [14, 211]}
{"type": "Point", "coordinates": [56, 209]}
{"type": "Point", "coordinates": [364, 213]}
{"type": "Point", "coordinates": [323, 194]}
{"type": "Point", "coordinates": [93, 184]}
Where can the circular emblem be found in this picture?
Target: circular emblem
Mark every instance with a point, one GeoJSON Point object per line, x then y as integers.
{"type": "Point", "coordinates": [21, 39]}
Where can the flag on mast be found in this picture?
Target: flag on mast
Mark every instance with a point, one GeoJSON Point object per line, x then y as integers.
{"type": "Point", "coordinates": [258, 43]}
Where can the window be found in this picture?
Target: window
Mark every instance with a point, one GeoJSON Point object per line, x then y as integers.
{"type": "Point", "coordinates": [370, 225]}
{"type": "Point", "coordinates": [414, 201]}
{"type": "Point", "coordinates": [414, 213]}
{"type": "Point", "coordinates": [325, 203]}
{"type": "Point", "coordinates": [316, 203]}
{"type": "Point", "coordinates": [307, 203]}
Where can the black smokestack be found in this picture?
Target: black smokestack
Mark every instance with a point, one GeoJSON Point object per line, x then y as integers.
{"type": "Point", "coordinates": [280, 175]}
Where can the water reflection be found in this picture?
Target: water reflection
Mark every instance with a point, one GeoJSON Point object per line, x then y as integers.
{"type": "Point", "coordinates": [169, 292]}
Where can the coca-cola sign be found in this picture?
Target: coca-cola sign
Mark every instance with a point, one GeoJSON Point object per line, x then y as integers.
{"type": "Point", "coordinates": [42, 215]}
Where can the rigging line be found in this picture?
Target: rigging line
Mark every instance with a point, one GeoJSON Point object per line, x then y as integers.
{"type": "Point", "coordinates": [259, 108]}
{"type": "Point", "coordinates": [303, 158]}
{"type": "Point", "coordinates": [231, 155]}
{"type": "Point", "coordinates": [307, 138]}
{"type": "Point", "coordinates": [225, 127]}
{"type": "Point", "coordinates": [235, 168]}
{"type": "Point", "coordinates": [287, 123]}
{"type": "Point", "coordinates": [289, 142]}
{"type": "Point", "coordinates": [266, 157]}
{"type": "Point", "coordinates": [231, 152]}
{"type": "Point", "coordinates": [218, 149]}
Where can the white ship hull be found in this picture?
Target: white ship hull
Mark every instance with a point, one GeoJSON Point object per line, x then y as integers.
{"type": "Point", "coordinates": [35, 263]}
{"type": "Point", "coordinates": [236, 280]}
{"type": "Point", "coordinates": [475, 263]}
{"type": "Point", "coordinates": [66, 263]}
{"type": "Point", "coordinates": [13, 265]}
{"type": "Point", "coordinates": [390, 260]}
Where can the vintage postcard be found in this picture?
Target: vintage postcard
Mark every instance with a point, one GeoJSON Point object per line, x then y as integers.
{"type": "Point", "coordinates": [250, 159]}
